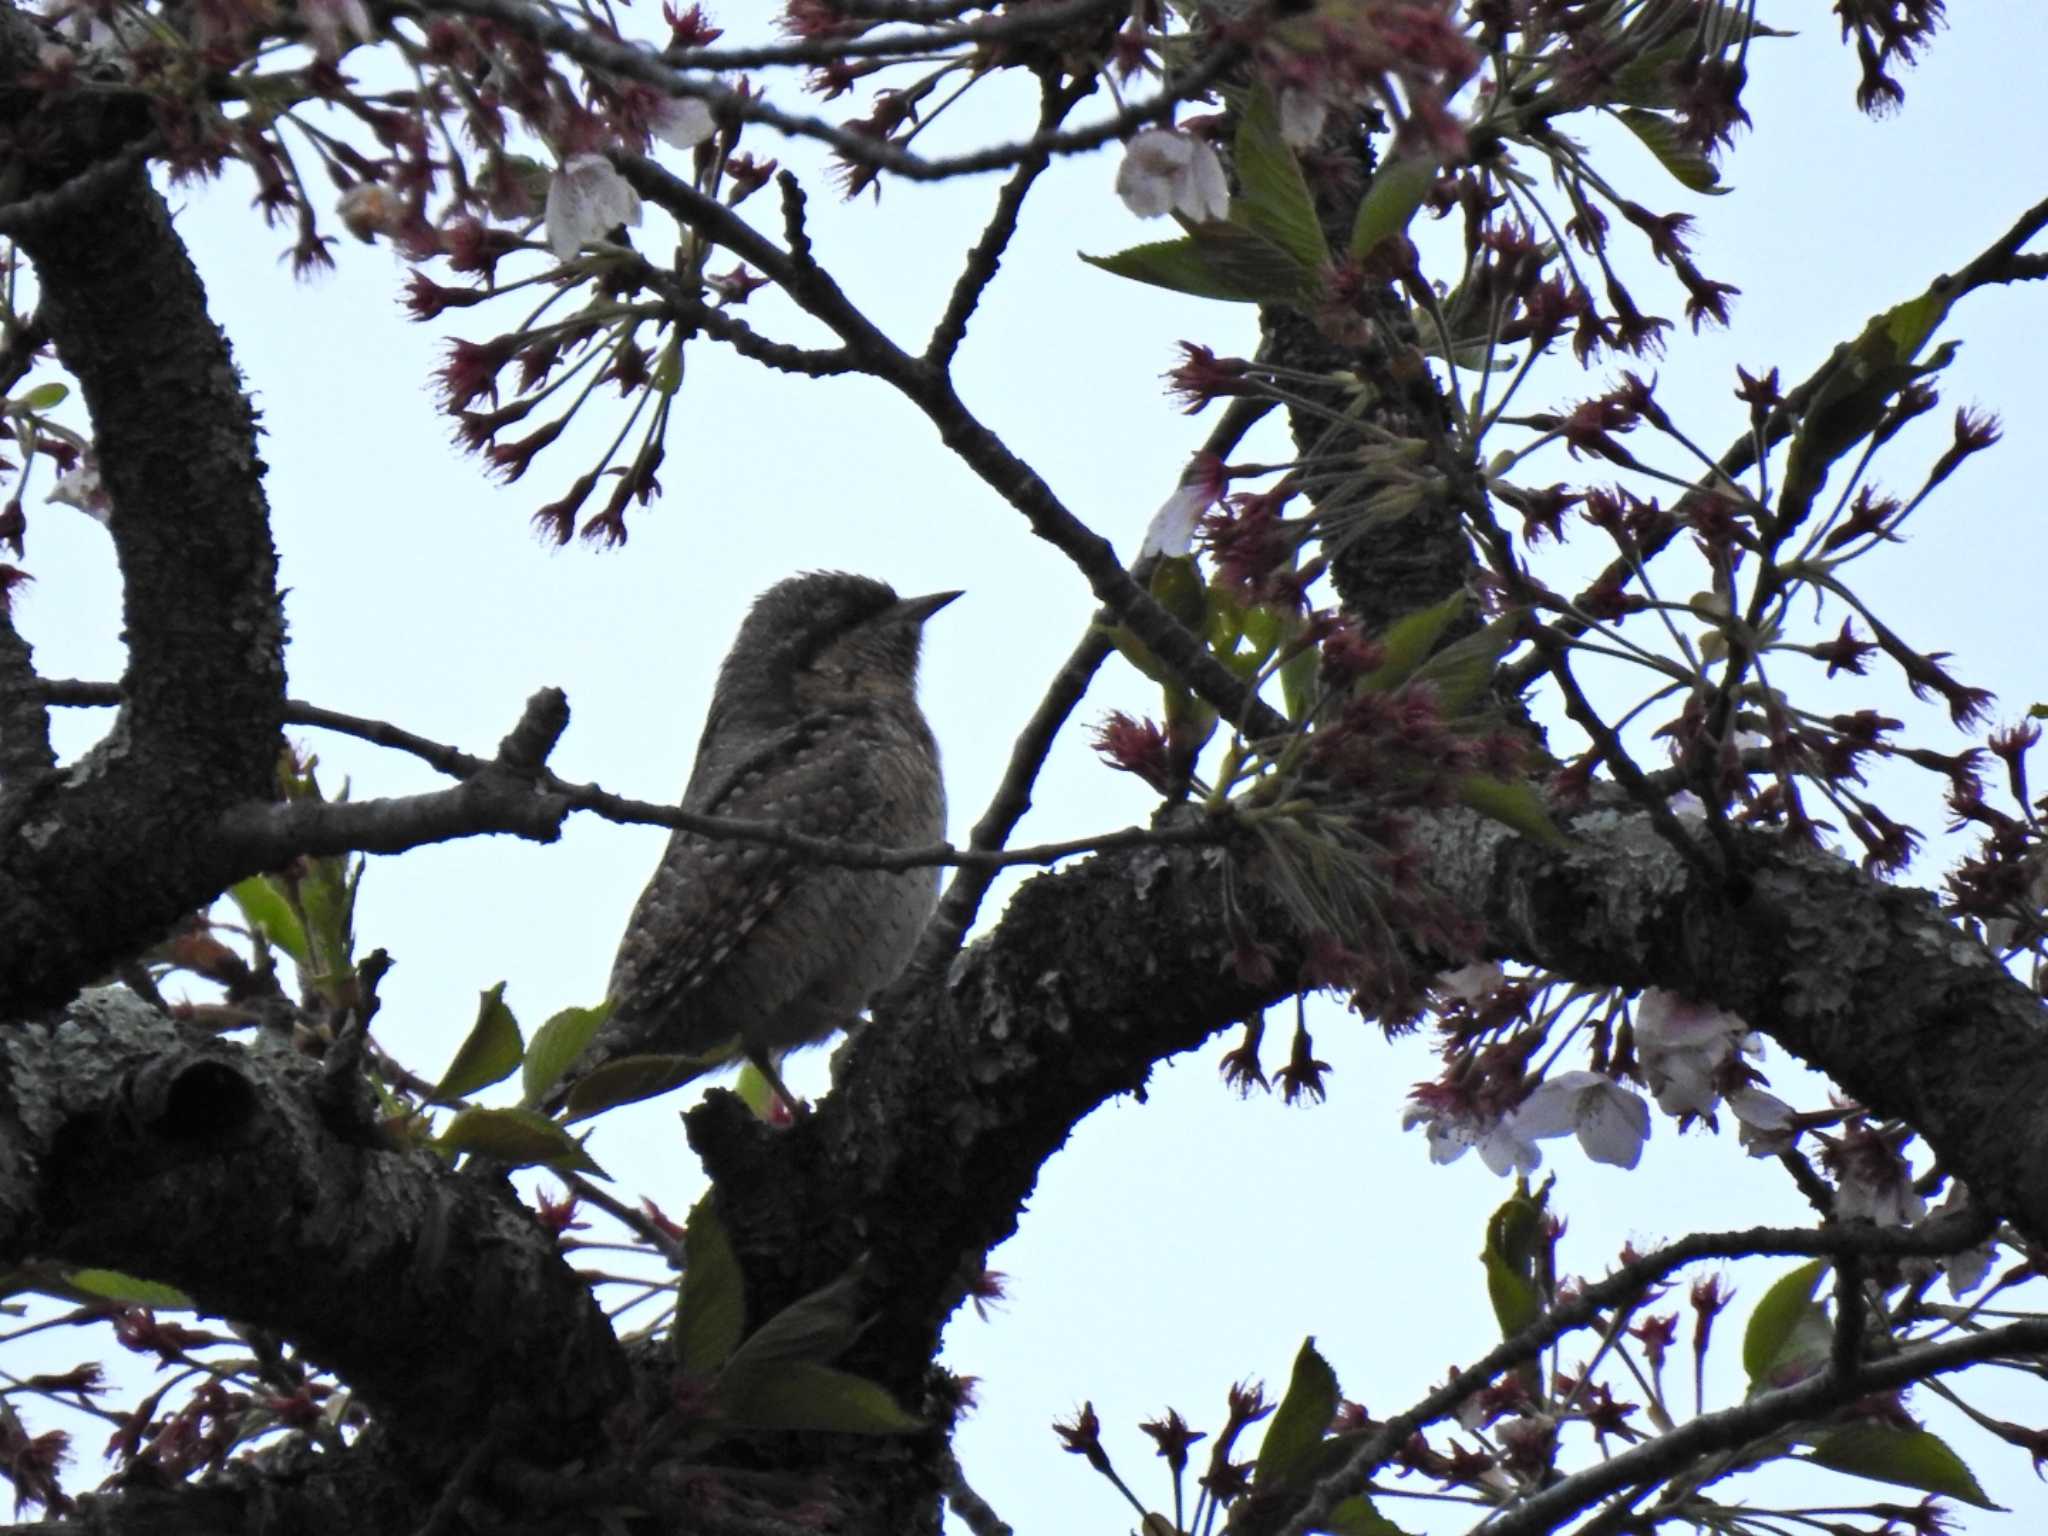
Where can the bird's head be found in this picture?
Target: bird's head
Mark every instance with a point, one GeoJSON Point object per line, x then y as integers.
{"type": "Point", "coordinates": [825, 637]}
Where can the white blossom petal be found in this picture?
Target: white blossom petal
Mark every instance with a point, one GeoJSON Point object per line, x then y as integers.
{"type": "Point", "coordinates": [1683, 1081]}
{"type": "Point", "coordinates": [1204, 191]}
{"type": "Point", "coordinates": [1167, 171]}
{"type": "Point", "coordinates": [1613, 1125]}
{"type": "Point", "coordinates": [683, 121]}
{"type": "Point", "coordinates": [1765, 1122]}
{"type": "Point", "coordinates": [1552, 1110]}
{"type": "Point", "coordinates": [1665, 1018]}
{"type": "Point", "coordinates": [587, 199]}
{"type": "Point", "coordinates": [1152, 164]}
{"type": "Point", "coordinates": [1610, 1122]}
{"type": "Point", "coordinates": [80, 487]}
{"type": "Point", "coordinates": [1887, 1201]}
{"type": "Point", "coordinates": [1172, 530]}
{"type": "Point", "coordinates": [1469, 983]}
{"type": "Point", "coordinates": [1504, 1152]}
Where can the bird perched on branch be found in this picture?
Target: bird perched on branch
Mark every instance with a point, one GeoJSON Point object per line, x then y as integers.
{"type": "Point", "coordinates": [741, 946]}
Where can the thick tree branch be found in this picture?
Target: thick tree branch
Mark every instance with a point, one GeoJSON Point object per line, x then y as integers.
{"type": "Point", "coordinates": [24, 718]}
{"type": "Point", "coordinates": [237, 1176]}
{"type": "Point", "coordinates": [944, 1109]}
{"type": "Point", "coordinates": [96, 865]}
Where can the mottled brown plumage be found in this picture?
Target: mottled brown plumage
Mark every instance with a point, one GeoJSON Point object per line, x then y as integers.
{"type": "Point", "coordinates": [814, 724]}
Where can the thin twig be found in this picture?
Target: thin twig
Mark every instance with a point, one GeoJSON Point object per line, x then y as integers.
{"type": "Point", "coordinates": [971, 1507]}
{"type": "Point", "coordinates": [2000, 262]}
{"type": "Point", "coordinates": [556, 36]}
{"type": "Point", "coordinates": [1622, 1288]}
{"type": "Point", "coordinates": [638, 1222]}
{"type": "Point", "coordinates": [1012, 799]}
{"type": "Point", "coordinates": [942, 25]}
{"type": "Point", "coordinates": [1056, 101]}
{"type": "Point", "coordinates": [974, 444]}
{"type": "Point", "coordinates": [628, 812]}
{"type": "Point", "coordinates": [1764, 1414]}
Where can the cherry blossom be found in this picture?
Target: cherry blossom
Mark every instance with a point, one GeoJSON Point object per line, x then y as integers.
{"type": "Point", "coordinates": [1682, 1047]}
{"type": "Point", "coordinates": [1452, 1132]}
{"type": "Point", "coordinates": [1766, 1124]}
{"type": "Point", "coordinates": [1172, 530]}
{"type": "Point", "coordinates": [683, 121]}
{"type": "Point", "coordinates": [80, 487]}
{"type": "Point", "coordinates": [1611, 1122]}
{"type": "Point", "coordinates": [587, 199]}
{"type": "Point", "coordinates": [1470, 983]}
{"type": "Point", "coordinates": [1168, 171]}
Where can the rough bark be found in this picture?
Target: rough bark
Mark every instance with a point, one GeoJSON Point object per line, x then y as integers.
{"type": "Point", "coordinates": [265, 1190]}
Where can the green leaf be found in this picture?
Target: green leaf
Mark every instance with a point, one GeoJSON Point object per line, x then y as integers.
{"type": "Point", "coordinates": [489, 1055]}
{"type": "Point", "coordinates": [555, 1047]}
{"type": "Point", "coordinates": [1179, 589]}
{"type": "Point", "coordinates": [112, 1285]}
{"type": "Point", "coordinates": [1775, 1323]}
{"type": "Point", "coordinates": [755, 1091]}
{"type": "Point", "coordinates": [1517, 1246]}
{"type": "Point", "coordinates": [326, 892]}
{"type": "Point", "coordinates": [1910, 1458]}
{"type": "Point", "coordinates": [814, 1397]}
{"type": "Point", "coordinates": [1409, 640]}
{"type": "Point", "coordinates": [1274, 200]}
{"type": "Point", "coordinates": [629, 1079]}
{"type": "Point", "coordinates": [267, 911]}
{"type": "Point", "coordinates": [1857, 389]}
{"type": "Point", "coordinates": [668, 372]}
{"type": "Point", "coordinates": [1516, 1301]}
{"type": "Point", "coordinates": [1301, 1422]}
{"type": "Point", "coordinates": [1356, 1516]}
{"type": "Point", "coordinates": [1659, 134]}
{"type": "Point", "coordinates": [711, 1308]}
{"type": "Point", "coordinates": [815, 1328]}
{"type": "Point", "coordinates": [521, 1138]}
{"type": "Point", "coordinates": [1397, 190]}
{"type": "Point", "coordinates": [1514, 803]}
{"type": "Point", "coordinates": [44, 397]}
{"type": "Point", "coordinates": [1174, 264]}
{"type": "Point", "coordinates": [1462, 672]}
{"type": "Point", "coordinates": [1252, 263]}
{"type": "Point", "coordinates": [1298, 682]}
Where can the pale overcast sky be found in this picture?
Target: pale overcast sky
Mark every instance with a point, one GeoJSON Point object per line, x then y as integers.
{"type": "Point", "coordinates": [1182, 1244]}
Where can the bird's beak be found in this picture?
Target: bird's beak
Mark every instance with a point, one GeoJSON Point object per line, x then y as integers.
{"type": "Point", "coordinates": [918, 609]}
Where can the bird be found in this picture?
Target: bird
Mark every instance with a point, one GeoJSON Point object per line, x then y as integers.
{"type": "Point", "coordinates": [743, 947]}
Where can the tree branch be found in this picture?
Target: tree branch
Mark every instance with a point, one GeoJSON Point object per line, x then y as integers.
{"type": "Point", "coordinates": [1620, 1291]}
{"type": "Point", "coordinates": [25, 753]}
{"type": "Point", "coordinates": [1656, 1459]}
{"type": "Point", "coordinates": [630, 63]}
{"type": "Point", "coordinates": [99, 864]}
{"type": "Point", "coordinates": [236, 1175]}
{"type": "Point", "coordinates": [979, 270]}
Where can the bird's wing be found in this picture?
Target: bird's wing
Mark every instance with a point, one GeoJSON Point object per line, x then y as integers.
{"type": "Point", "coordinates": [708, 896]}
